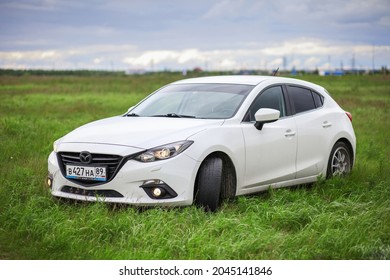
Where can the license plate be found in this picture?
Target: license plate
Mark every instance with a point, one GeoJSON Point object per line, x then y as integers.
{"type": "Point", "coordinates": [96, 173]}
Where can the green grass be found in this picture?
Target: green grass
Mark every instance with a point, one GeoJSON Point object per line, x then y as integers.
{"type": "Point", "coordinates": [342, 218]}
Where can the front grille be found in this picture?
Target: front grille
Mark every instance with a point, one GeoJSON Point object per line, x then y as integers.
{"type": "Point", "coordinates": [97, 193]}
{"type": "Point", "coordinates": [112, 162]}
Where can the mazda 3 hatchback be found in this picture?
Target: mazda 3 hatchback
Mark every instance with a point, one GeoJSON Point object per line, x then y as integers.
{"type": "Point", "coordinates": [203, 140]}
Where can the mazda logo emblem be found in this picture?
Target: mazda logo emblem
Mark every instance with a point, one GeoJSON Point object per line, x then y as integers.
{"type": "Point", "coordinates": [85, 157]}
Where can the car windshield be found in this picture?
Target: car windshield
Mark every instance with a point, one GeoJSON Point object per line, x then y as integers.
{"type": "Point", "coordinates": [205, 101]}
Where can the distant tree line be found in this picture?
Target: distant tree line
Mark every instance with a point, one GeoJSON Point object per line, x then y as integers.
{"type": "Point", "coordinates": [13, 72]}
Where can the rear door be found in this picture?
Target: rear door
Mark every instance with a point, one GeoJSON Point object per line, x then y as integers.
{"type": "Point", "coordinates": [313, 127]}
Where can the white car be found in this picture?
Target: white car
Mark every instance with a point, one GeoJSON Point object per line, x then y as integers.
{"type": "Point", "coordinates": [204, 140]}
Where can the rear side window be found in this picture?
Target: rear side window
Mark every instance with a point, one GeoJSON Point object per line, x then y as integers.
{"type": "Point", "coordinates": [318, 99]}
{"type": "Point", "coordinates": [302, 99]}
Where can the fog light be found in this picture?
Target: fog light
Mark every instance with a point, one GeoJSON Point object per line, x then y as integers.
{"type": "Point", "coordinates": [157, 189]}
{"type": "Point", "coordinates": [156, 192]}
{"type": "Point", "coordinates": [49, 181]}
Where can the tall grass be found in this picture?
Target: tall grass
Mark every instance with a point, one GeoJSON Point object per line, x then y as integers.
{"type": "Point", "coordinates": [342, 218]}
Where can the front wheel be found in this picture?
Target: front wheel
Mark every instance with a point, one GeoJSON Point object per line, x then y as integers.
{"type": "Point", "coordinates": [209, 184]}
{"type": "Point", "coordinates": [340, 160]}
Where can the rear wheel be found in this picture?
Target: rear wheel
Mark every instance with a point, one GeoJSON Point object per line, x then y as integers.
{"type": "Point", "coordinates": [340, 160]}
{"type": "Point", "coordinates": [209, 184]}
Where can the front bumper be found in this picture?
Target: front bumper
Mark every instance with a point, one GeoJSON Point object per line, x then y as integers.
{"type": "Point", "coordinates": [179, 173]}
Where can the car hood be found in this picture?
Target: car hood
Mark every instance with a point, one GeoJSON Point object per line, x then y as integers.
{"type": "Point", "coordinates": [138, 132]}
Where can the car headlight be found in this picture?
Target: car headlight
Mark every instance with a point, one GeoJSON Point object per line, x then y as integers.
{"type": "Point", "coordinates": [164, 152]}
{"type": "Point", "coordinates": [55, 145]}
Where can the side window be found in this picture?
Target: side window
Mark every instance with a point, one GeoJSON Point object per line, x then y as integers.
{"type": "Point", "coordinates": [270, 98]}
{"type": "Point", "coordinates": [318, 99]}
{"type": "Point", "coordinates": [301, 98]}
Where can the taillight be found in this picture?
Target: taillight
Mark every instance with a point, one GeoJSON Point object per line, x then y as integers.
{"type": "Point", "coordinates": [349, 116]}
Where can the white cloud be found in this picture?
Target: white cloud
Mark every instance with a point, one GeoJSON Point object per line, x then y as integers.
{"type": "Point", "coordinates": [311, 62]}
{"type": "Point", "coordinates": [303, 46]}
{"type": "Point", "coordinates": [151, 57]}
{"type": "Point", "coordinates": [304, 53]}
{"type": "Point", "coordinates": [29, 55]}
{"type": "Point", "coordinates": [189, 55]}
{"type": "Point", "coordinates": [227, 64]}
{"type": "Point", "coordinates": [97, 60]}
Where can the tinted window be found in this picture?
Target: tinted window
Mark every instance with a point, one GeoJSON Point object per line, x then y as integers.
{"type": "Point", "coordinates": [270, 98]}
{"type": "Point", "coordinates": [301, 98]}
{"type": "Point", "coordinates": [318, 99]}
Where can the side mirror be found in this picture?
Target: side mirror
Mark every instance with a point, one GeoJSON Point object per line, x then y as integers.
{"type": "Point", "coordinates": [265, 115]}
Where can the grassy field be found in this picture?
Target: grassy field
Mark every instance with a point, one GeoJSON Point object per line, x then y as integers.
{"type": "Point", "coordinates": [343, 218]}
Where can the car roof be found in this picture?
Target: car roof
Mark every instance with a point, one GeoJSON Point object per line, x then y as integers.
{"type": "Point", "coordinates": [246, 80]}
{"type": "Point", "coordinates": [229, 79]}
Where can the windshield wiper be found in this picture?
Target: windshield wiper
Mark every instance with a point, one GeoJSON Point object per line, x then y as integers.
{"type": "Point", "coordinates": [174, 115]}
{"type": "Point", "coordinates": [132, 115]}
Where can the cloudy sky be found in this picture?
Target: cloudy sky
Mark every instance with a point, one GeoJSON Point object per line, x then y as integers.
{"type": "Point", "coordinates": [183, 34]}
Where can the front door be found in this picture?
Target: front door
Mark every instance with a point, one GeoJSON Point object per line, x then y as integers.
{"type": "Point", "coordinates": [271, 152]}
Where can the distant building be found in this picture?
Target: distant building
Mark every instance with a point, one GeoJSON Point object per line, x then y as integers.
{"type": "Point", "coordinates": [331, 73]}
{"type": "Point", "coordinates": [135, 72]}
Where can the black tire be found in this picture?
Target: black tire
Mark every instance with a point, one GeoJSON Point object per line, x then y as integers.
{"type": "Point", "coordinates": [340, 161]}
{"type": "Point", "coordinates": [228, 189]}
{"type": "Point", "coordinates": [209, 184]}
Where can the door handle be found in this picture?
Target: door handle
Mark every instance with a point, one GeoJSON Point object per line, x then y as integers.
{"type": "Point", "coordinates": [289, 133]}
{"type": "Point", "coordinates": [326, 124]}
